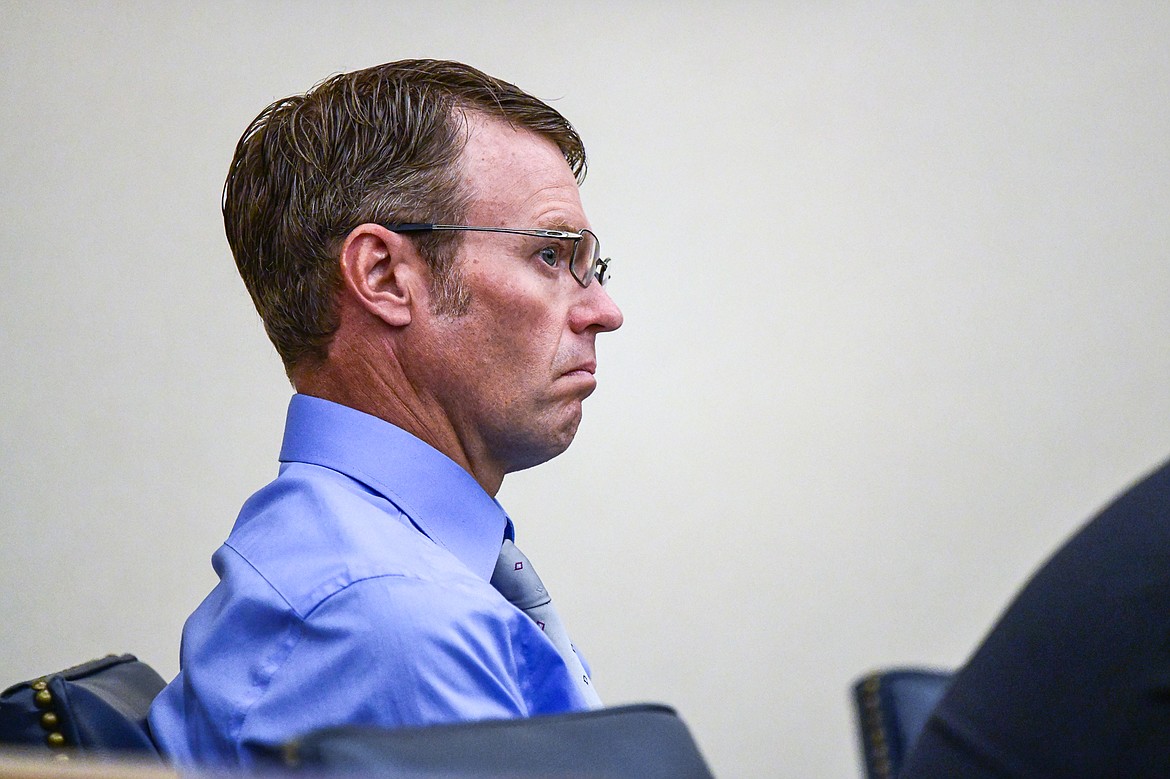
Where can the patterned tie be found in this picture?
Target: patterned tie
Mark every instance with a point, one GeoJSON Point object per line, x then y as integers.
{"type": "Point", "coordinates": [517, 581]}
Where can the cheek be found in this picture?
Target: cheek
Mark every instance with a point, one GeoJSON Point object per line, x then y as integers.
{"type": "Point", "coordinates": [522, 329]}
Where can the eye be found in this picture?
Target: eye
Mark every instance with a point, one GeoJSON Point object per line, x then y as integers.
{"type": "Point", "coordinates": [554, 254]}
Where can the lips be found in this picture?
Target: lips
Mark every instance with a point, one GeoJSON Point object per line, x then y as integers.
{"type": "Point", "coordinates": [581, 370]}
{"type": "Point", "coordinates": [586, 367]}
{"type": "Point", "coordinates": [581, 379]}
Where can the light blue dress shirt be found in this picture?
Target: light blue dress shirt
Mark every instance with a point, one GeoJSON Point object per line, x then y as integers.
{"type": "Point", "coordinates": [354, 589]}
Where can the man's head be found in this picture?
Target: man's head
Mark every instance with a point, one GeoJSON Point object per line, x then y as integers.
{"type": "Point", "coordinates": [480, 342]}
{"type": "Point", "coordinates": [380, 145]}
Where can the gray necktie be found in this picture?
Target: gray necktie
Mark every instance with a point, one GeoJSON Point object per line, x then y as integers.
{"type": "Point", "coordinates": [517, 581]}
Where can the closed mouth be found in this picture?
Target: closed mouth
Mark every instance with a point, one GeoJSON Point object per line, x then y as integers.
{"type": "Point", "coordinates": [585, 368]}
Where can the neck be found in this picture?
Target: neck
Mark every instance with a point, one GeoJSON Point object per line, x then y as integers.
{"type": "Point", "coordinates": [381, 388]}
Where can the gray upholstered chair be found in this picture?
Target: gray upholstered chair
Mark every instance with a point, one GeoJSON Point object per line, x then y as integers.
{"type": "Point", "coordinates": [96, 707]}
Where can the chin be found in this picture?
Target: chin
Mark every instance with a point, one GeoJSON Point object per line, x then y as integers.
{"type": "Point", "coordinates": [549, 447]}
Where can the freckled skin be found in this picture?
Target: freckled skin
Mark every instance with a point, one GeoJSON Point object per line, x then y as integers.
{"type": "Point", "coordinates": [512, 372]}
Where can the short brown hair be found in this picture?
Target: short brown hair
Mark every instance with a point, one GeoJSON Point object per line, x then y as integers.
{"type": "Point", "coordinates": [377, 145]}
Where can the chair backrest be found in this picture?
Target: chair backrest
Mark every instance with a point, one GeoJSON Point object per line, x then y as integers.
{"type": "Point", "coordinates": [645, 741]}
{"type": "Point", "coordinates": [98, 706]}
{"type": "Point", "coordinates": [892, 707]}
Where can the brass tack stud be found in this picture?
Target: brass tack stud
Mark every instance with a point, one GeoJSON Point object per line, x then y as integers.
{"type": "Point", "coordinates": [49, 720]}
{"type": "Point", "coordinates": [43, 699]}
{"type": "Point", "coordinates": [55, 740]}
{"type": "Point", "coordinates": [40, 684]}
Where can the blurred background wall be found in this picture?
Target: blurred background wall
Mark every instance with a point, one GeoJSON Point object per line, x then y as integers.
{"type": "Point", "coordinates": [896, 279]}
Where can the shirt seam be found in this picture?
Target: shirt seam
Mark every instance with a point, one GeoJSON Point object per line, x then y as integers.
{"type": "Point", "coordinates": [319, 601]}
{"type": "Point", "coordinates": [258, 572]}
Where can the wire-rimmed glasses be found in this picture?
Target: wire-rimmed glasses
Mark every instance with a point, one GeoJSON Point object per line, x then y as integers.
{"type": "Point", "coordinates": [584, 261]}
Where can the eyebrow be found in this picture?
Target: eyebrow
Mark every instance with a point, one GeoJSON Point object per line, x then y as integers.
{"type": "Point", "coordinates": [558, 225]}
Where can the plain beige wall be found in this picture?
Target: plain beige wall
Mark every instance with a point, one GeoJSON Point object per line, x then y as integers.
{"type": "Point", "coordinates": [896, 279]}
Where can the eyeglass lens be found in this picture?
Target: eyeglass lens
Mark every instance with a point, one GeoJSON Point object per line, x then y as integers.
{"type": "Point", "coordinates": [585, 257]}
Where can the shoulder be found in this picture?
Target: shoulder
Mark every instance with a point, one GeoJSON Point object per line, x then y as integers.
{"type": "Point", "coordinates": [1113, 560]}
{"type": "Point", "coordinates": [394, 651]}
{"type": "Point", "coordinates": [1114, 571]}
{"type": "Point", "coordinates": [313, 532]}
{"type": "Point", "coordinates": [388, 650]}
{"type": "Point", "coordinates": [1078, 657]}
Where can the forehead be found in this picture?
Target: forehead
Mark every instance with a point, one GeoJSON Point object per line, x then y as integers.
{"type": "Point", "coordinates": [517, 178]}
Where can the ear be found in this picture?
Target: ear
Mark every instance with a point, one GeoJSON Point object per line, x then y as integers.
{"type": "Point", "coordinates": [384, 273]}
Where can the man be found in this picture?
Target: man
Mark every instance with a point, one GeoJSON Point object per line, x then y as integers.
{"type": "Point", "coordinates": [414, 241]}
{"type": "Point", "coordinates": [1074, 680]}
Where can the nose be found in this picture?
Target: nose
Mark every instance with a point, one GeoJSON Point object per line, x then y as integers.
{"type": "Point", "coordinates": [596, 311]}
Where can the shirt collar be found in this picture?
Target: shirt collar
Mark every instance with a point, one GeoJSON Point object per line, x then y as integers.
{"type": "Point", "coordinates": [440, 497]}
